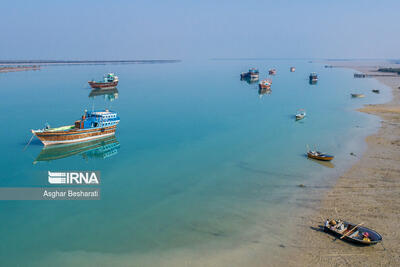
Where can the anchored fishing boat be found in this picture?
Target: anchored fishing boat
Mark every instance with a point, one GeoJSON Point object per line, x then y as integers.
{"type": "Point", "coordinates": [252, 74]}
{"type": "Point", "coordinates": [93, 125]}
{"type": "Point", "coordinates": [357, 95]}
{"type": "Point", "coordinates": [314, 154]}
{"type": "Point", "coordinates": [265, 84]}
{"type": "Point", "coordinates": [110, 80]}
{"type": "Point", "coordinates": [313, 77]}
{"type": "Point", "coordinates": [272, 72]}
{"type": "Point", "coordinates": [352, 232]}
{"type": "Point", "coordinates": [292, 69]}
{"type": "Point", "coordinates": [301, 114]}
{"type": "Point", "coordinates": [376, 91]}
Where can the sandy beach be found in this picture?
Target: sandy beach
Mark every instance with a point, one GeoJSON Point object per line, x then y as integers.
{"type": "Point", "coordinates": [368, 192]}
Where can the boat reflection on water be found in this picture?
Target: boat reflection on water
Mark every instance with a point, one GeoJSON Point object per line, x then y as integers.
{"type": "Point", "coordinates": [263, 91]}
{"type": "Point", "coordinates": [97, 149]}
{"type": "Point", "coordinates": [249, 80]}
{"type": "Point", "coordinates": [327, 164]}
{"type": "Point", "coordinates": [109, 93]}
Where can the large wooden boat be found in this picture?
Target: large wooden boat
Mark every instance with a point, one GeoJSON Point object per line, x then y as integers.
{"type": "Point", "coordinates": [110, 80]}
{"type": "Point", "coordinates": [100, 148]}
{"type": "Point", "coordinates": [252, 74]}
{"type": "Point", "coordinates": [93, 125]}
{"type": "Point", "coordinates": [319, 155]}
{"type": "Point", "coordinates": [352, 232]}
{"type": "Point", "coordinates": [265, 84]}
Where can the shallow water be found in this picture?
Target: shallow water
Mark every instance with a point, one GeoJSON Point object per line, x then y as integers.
{"type": "Point", "coordinates": [201, 162]}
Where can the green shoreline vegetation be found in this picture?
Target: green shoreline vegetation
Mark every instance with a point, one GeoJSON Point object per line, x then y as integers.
{"type": "Point", "coordinates": [392, 70]}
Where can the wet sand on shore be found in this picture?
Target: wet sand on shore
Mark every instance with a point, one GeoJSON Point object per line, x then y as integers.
{"type": "Point", "coordinates": [368, 192]}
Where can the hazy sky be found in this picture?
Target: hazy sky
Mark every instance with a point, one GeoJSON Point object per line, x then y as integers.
{"type": "Point", "coordinates": [119, 29]}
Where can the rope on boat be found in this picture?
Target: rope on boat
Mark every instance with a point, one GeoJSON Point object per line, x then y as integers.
{"type": "Point", "coordinates": [30, 140]}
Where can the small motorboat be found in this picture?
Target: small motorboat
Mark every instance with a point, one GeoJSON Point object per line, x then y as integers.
{"type": "Point", "coordinates": [313, 154]}
{"type": "Point", "coordinates": [376, 91]}
{"type": "Point", "coordinates": [272, 71]}
{"type": "Point", "coordinates": [352, 232]}
{"type": "Point", "coordinates": [265, 84]}
{"type": "Point", "coordinates": [301, 114]}
{"type": "Point", "coordinates": [292, 69]}
{"type": "Point", "coordinates": [357, 95]}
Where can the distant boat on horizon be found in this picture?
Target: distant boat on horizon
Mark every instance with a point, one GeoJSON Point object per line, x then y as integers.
{"type": "Point", "coordinates": [272, 72]}
{"type": "Point", "coordinates": [313, 77]}
{"type": "Point", "coordinates": [253, 74]}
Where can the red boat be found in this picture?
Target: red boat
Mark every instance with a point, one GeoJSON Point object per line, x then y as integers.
{"type": "Point", "coordinates": [110, 80]}
{"type": "Point", "coordinates": [265, 84]}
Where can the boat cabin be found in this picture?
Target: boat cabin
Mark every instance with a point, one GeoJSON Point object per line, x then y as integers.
{"type": "Point", "coordinates": [110, 77]}
{"type": "Point", "coordinates": [93, 119]}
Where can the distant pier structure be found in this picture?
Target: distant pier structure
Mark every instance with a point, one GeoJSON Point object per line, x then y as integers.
{"type": "Point", "coordinates": [361, 75]}
{"type": "Point", "coordinates": [11, 68]}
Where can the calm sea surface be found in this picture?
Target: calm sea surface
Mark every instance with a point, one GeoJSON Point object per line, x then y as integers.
{"type": "Point", "coordinates": [202, 164]}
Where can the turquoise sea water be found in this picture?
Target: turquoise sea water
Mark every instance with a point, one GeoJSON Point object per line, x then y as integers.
{"type": "Point", "coordinates": [200, 164]}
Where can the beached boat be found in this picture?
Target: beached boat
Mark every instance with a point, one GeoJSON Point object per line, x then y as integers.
{"type": "Point", "coordinates": [265, 84]}
{"type": "Point", "coordinates": [110, 80]}
{"type": "Point", "coordinates": [292, 69]}
{"type": "Point", "coordinates": [301, 114]}
{"type": "Point", "coordinates": [357, 95]}
{"type": "Point", "coordinates": [272, 72]}
{"type": "Point", "coordinates": [313, 154]}
{"type": "Point", "coordinates": [352, 232]}
{"type": "Point", "coordinates": [313, 77]}
{"type": "Point", "coordinates": [252, 74]}
{"type": "Point", "coordinates": [93, 125]}
{"type": "Point", "coordinates": [376, 91]}
{"type": "Point", "coordinates": [101, 148]}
